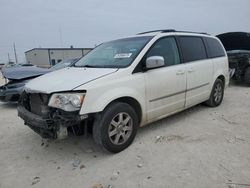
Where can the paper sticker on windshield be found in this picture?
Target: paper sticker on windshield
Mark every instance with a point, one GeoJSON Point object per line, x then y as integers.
{"type": "Point", "coordinates": [123, 55]}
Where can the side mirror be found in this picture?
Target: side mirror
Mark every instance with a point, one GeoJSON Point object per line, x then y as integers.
{"type": "Point", "coordinates": [154, 62]}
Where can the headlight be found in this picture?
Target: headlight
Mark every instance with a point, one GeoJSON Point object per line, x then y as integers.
{"type": "Point", "coordinates": [67, 101]}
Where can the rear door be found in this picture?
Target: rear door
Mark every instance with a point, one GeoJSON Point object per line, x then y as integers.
{"type": "Point", "coordinates": [165, 86]}
{"type": "Point", "coordinates": [199, 69]}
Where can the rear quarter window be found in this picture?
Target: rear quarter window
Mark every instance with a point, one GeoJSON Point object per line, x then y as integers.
{"type": "Point", "coordinates": [192, 48]}
{"type": "Point", "coordinates": [214, 48]}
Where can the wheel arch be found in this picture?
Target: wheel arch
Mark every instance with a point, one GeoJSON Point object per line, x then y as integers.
{"type": "Point", "coordinates": [222, 78]}
{"type": "Point", "coordinates": [132, 102]}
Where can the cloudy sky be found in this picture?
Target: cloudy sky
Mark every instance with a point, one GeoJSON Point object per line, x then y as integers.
{"type": "Point", "coordinates": [84, 23]}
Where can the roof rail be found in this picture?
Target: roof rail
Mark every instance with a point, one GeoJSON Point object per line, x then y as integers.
{"type": "Point", "coordinates": [171, 30]}
{"type": "Point", "coordinates": [160, 30]}
{"type": "Point", "coordinates": [193, 32]}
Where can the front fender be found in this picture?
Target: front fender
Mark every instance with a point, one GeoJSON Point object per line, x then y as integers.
{"type": "Point", "coordinates": [96, 102]}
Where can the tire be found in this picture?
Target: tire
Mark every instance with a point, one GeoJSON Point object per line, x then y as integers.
{"type": "Point", "coordinates": [115, 128]}
{"type": "Point", "coordinates": [217, 94]}
{"type": "Point", "coordinates": [247, 76]}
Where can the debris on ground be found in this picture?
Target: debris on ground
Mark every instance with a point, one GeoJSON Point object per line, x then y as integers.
{"type": "Point", "coordinates": [158, 139]}
{"type": "Point", "coordinates": [229, 121]}
{"type": "Point", "coordinates": [231, 186]}
{"type": "Point", "coordinates": [89, 150]}
{"type": "Point", "coordinates": [98, 186]}
{"type": "Point", "coordinates": [234, 185]}
{"type": "Point", "coordinates": [82, 166]}
{"type": "Point", "coordinates": [115, 176]}
{"type": "Point", "coordinates": [235, 139]}
{"type": "Point", "coordinates": [35, 180]}
{"type": "Point", "coordinates": [139, 157]}
{"type": "Point", "coordinates": [45, 142]}
{"type": "Point", "coordinates": [168, 138]}
{"type": "Point", "coordinates": [76, 163]}
{"type": "Point", "coordinates": [139, 165]}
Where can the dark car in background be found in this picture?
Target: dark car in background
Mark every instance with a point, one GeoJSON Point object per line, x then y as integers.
{"type": "Point", "coordinates": [239, 63]}
{"type": "Point", "coordinates": [237, 45]}
{"type": "Point", "coordinates": [17, 76]}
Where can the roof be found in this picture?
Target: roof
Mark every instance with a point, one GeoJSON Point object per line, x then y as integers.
{"type": "Point", "coordinates": [59, 49]}
{"type": "Point", "coordinates": [235, 40]}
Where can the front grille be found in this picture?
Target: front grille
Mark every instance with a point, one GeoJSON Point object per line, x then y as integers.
{"type": "Point", "coordinates": [36, 103]}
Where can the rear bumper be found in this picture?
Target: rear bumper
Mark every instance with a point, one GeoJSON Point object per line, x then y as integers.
{"type": "Point", "coordinates": [47, 128]}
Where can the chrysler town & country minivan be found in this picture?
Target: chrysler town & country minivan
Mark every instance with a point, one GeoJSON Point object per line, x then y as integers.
{"type": "Point", "coordinates": [127, 83]}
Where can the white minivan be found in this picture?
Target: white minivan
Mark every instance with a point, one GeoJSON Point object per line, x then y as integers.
{"type": "Point", "coordinates": [125, 84]}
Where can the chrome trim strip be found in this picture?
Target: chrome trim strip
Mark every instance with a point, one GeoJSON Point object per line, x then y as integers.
{"type": "Point", "coordinates": [197, 87]}
{"type": "Point", "coordinates": [156, 99]}
{"type": "Point", "coordinates": [177, 93]}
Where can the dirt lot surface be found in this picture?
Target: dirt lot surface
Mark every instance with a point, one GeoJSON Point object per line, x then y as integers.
{"type": "Point", "coordinates": [200, 147]}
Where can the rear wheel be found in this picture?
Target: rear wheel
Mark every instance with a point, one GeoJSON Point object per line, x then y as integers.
{"type": "Point", "coordinates": [116, 127]}
{"type": "Point", "coordinates": [247, 76]}
{"type": "Point", "coordinates": [217, 94]}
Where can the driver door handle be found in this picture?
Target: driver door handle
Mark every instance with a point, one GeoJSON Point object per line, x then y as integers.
{"type": "Point", "coordinates": [191, 70]}
{"type": "Point", "coordinates": [180, 72]}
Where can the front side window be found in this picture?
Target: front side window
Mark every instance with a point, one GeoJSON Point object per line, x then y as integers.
{"type": "Point", "coordinates": [115, 54]}
{"type": "Point", "coordinates": [193, 48]}
{"type": "Point", "coordinates": [166, 48]}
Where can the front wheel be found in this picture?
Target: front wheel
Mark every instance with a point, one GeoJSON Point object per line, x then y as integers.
{"type": "Point", "coordinates": [217, 94]}
{"type": "Point", "coordinates": [115, 128]}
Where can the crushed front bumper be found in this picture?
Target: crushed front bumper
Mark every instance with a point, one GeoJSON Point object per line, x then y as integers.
{"type": "Point", "coordinates": [53, 128]}
{"type": "Point", "coordinates": [9, 95]}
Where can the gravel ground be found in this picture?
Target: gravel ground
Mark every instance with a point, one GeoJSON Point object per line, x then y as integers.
{"type": "Point", "coordinates": [200, 147]}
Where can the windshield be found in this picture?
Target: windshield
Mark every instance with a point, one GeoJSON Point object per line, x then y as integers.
{"type": "Point", "coordinates": [115, 54]}
{"type": "Point", "coordinates": [63, 64]}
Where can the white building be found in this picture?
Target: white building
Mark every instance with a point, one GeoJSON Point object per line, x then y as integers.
{"type": "Point", "coordinates": [46, 57]}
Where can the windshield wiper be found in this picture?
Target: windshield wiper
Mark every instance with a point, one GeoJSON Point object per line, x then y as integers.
{"type": "Point", "coordinates": [88, 66]}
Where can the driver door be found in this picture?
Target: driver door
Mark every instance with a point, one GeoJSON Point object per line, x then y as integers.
{"type": "Point", "coordinates": [165, 86]}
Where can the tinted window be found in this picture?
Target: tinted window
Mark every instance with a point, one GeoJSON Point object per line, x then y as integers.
{"type": "Point", "coordinates": [192, 48]}
{"type": "Point", "coordinates": [166, 48]}
{"type": "Point", "coordinates": [214, 48]}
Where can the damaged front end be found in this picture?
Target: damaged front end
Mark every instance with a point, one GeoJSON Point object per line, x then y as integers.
{"type": "Point", "coordinates": [239, 61]}
{"type": "Point", "coordinates": [48, 122]}
{"type": "Point", "coordinates": [11, 91]}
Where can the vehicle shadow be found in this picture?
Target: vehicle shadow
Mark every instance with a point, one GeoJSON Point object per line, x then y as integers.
{"type": "Point", "coordinates": [237, 83]}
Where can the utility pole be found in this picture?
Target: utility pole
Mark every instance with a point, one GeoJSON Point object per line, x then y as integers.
{"type": "Point", "coordinates": [61, 38]}
{"type": "Point", "coordinates": [8, 57]}
{"type": "Point", "coordinates": [15, 53]}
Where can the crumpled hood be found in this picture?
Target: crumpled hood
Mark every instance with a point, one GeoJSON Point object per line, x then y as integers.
{"type": "Point", "coordinates": [66, 79]}
{"type": "Point", "coordinates": [19, 73]}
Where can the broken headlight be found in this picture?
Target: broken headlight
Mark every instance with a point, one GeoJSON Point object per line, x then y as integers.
{"type": "Point", "coordinates": [67, 101]}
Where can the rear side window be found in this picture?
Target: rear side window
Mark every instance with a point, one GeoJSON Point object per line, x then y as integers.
{"type": "Point", "coordinates": [214, 48]}
{"type": "Point", "coordinates": [193, 48]}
